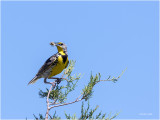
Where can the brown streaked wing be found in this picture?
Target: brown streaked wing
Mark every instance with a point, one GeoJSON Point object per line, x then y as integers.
{"type": "Point", "coordinates": [49, 62]}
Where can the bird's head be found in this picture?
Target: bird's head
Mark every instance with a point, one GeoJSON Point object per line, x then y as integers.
{"type": "Point", "coordinates": [60, 46]}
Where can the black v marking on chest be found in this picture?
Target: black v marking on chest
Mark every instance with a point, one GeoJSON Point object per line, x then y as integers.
{"type": "Point", "coordinates": [64, 58]}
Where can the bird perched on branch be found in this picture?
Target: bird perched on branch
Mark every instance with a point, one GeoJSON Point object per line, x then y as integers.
{"type": "Point", "coordinates": [53, 65]}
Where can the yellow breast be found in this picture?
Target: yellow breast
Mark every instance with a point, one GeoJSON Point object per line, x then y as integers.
{"type": "Point", "coordinates": [59, 67]}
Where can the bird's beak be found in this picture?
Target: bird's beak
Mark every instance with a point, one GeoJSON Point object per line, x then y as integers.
{"type": "Point", "coordinates": [54, 43]}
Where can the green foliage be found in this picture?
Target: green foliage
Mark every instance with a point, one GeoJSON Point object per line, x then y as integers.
{"type": "Point", "coordinates": [88, 90]}
{"type": "Point", "coordinates": [90, 114]}
{"type": "Point", "coordinates": [70, 117]}
{"type": "Point", "coordinates": [40, 117]}
{"type": "Point", "coordinates": [56, 116]}
{"type": "Point", "coordinates": [86, 114]}
{"type": "Point", "coordinates": [59, 94]}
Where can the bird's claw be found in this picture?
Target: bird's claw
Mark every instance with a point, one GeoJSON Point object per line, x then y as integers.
{"type": "Point", "coordinates": [58, 80]}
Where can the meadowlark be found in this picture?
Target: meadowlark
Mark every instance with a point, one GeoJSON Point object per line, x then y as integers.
{"type": "Point", "coordinates": [53, 65]}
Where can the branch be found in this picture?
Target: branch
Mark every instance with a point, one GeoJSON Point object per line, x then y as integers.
{"type": "Point", "coordinates": [86, 94]}
{"type": "Point", "coordinates": [77, 100]}
{"type": "Point", "coordinates": [47, 101]}
{"type": "Point", "coordinates": [113, 79]}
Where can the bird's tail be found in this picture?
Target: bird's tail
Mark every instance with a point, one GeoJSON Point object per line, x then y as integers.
{"type": "Point", "coordinates": [33, 80]}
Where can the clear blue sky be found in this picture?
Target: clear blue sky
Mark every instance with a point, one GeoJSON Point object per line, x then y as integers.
{"type": "Point", "coordinates": [103, 37]}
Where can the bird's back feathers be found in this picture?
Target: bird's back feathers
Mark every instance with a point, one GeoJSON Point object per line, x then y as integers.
{"type": "Point", "coordinates": [47, 65]}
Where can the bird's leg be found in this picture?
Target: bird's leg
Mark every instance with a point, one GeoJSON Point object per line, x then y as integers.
{"type": "Point", "coordinates": [53, 83]}
{"type": "Point", "coordinates": [53, 78]}
{"type": "Point", "coordinates": [58, 80]}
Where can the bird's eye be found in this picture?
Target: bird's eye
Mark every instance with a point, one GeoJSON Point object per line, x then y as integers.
{"type": "Point", "coordinates": [61, 44]}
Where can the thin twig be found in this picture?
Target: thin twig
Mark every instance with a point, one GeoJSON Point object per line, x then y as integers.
{"type": "Point", "coordinates": [65, 103]}
{"type": "Point", "coordinates": [50, 116]}
{"type": "Point", "coordinates": [79, 96]}
{"type": "Point", "coordinates": [63, 75]}
{"type": "Point", "coordinates": [54, 102]}
{"type": "Point", "coordinates": [113, 79]}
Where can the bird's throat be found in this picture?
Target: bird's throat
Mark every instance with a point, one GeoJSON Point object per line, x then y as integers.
{"type": "Point", "coordinates": [60, 50]}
